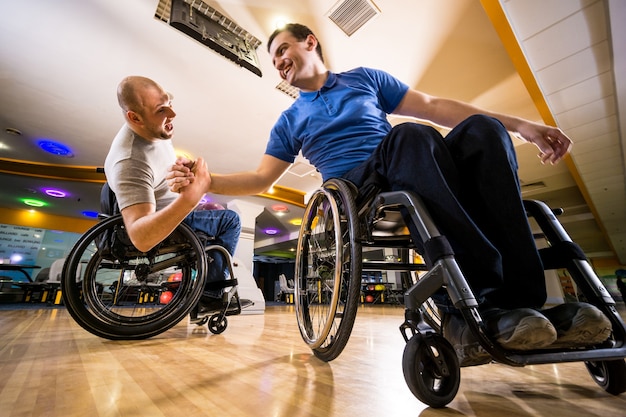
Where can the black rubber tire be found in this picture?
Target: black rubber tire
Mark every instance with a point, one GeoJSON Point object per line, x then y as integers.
{"type": "Point", "coordinates": [424, 358]}
{"type": "Point", "coordinates": [218, 323]}
{"type": "Point", "coordinates": [328, 258]}
{"type": "Point", "coordinates": [98, 297]}
{"type": "Point", "coordinates": [610, 375]}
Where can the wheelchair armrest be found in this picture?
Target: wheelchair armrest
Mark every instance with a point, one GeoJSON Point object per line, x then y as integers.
{"type": "Point", "coordinates": [391, 224]}
{"type": "Point", "coordinates": [206, 239]}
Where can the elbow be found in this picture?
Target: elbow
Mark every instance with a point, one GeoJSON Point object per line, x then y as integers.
{"type": "Point", "coordinates": [143, 247]}
{"type": "Point", "coordinates": [141, 244]}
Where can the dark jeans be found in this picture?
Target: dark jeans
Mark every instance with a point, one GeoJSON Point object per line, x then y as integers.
{"type": "Point", "coordinates": [468, 181]}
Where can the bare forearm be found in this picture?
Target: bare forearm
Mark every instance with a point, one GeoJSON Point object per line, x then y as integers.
{"type": "Point", "coordinates": [147, 228]}
{"type": "Point", "coordinates": [240, 183]}
{"type": "Point", "coordinates": [447, 112]}
{"type": "Point", "coordinates": [553, 144]}
{"type": "Point", "coordinates": [453, 112]}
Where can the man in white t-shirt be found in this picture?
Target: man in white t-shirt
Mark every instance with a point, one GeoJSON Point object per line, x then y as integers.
{"type": "Point", "coordinates": [136, 167]}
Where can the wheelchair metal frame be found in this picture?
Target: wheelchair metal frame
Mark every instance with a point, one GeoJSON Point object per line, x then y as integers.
{"type": "Point", "coordinates": [430, 365]}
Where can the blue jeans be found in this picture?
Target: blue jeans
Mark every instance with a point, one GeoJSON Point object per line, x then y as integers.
{"type": "Point", "coordinates": [468, 181]}
{"type": "Point", "coordinates": [225, 227]}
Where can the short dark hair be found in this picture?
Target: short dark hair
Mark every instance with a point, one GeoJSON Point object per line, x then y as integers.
{"type": "Point", "coordinates": [300, 32]}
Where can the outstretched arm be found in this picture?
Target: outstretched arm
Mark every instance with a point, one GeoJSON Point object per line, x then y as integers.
{"type": "Point", "coordinates": [553, 144]}
{"type": "Point", "coordinates": [239, 183]}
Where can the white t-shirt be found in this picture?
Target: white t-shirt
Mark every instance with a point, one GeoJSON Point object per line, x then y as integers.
{"type": "Point", "coordinates": [135, 169]}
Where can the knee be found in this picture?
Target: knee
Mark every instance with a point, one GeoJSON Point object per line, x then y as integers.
{"type": "Point", "coordinates": [232, 218]}
{"type": "Point", "coordinates": [486, 132]}
{"type": "Point", "coordinates": [411, 129]}
{"type": "Point", "coordinates": [411, 136]}
{"type": "Point", "coordinates": [487, 127]}
{"type": "Point", "coordinates": [484, 122]}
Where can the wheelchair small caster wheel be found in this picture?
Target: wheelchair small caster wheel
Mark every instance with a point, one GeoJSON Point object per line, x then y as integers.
{"type": "Point", "coordinates": [218, 323]}
{"type": "Point", "coordinates": [610, 375]}
{"type": "Point", "coordinates": [431, 369]}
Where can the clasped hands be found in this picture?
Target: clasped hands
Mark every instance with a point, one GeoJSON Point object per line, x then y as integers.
{"type": "Point", "coordinates": [186, 172]}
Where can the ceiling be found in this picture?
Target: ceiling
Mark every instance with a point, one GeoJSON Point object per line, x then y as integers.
{"type": "Point", "coordinates": [61, 61]}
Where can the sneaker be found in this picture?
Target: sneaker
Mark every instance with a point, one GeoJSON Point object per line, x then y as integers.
{"type": "Point", "coordinates": [211, 304]}
{"type": "Point", "coordinates": [519, 329]}
{"type": "Point", "coordinates": [578, 325]}
{"type": "Point", "coordinates": [198, 321]}
{"type": "Point", "coordinates": [467, 348]}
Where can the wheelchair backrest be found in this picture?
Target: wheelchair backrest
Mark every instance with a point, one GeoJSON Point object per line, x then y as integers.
{"type": "Point", "coordinates": [108, 202]}
{"type": "Point", "coordinates": [113, 242]}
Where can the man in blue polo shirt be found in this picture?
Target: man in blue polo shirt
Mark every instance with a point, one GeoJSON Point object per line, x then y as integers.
{"type": "Point", "coordinates": [468, 180]}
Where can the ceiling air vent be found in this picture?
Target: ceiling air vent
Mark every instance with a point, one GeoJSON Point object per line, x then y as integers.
{"type": "Point", "coordinates": [288, 89]}
{"type": "Point", "coordinates": [351, 15]}
{"type": "Point", "coordinates": [163, 10]}
{"type": "Point", "coordinates": [532, 186]}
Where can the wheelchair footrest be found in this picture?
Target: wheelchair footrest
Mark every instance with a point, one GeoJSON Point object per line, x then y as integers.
{"type": "Point", "coordinates": [218, 285]}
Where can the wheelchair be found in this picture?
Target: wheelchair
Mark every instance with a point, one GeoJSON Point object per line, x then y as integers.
{"type": "Point", "coordinates": [114, 291]}
{"type": "Point", "coordinates": [339, 223]}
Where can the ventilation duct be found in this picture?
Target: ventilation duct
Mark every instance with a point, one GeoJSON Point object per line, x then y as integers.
{"type": "Point", "coordinates": [351, 15]}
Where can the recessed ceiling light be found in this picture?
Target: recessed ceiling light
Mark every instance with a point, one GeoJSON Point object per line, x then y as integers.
{"type": "Point", "coordinates": [13, 131]}
{"type": "Point", "coordinates": [270, 231]}
{"type": "Point", "coordinates": [53, 192]}
{"type": "Point", "coordinates": [34, 203]}
{"type": "Point", "coordinates": [55, 148]}
{"type": "Point", "coordinates": [280, 208]}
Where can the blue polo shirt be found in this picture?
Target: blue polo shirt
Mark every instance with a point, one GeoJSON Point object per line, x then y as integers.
{"type": "Point", "coordinates": [339, 126]}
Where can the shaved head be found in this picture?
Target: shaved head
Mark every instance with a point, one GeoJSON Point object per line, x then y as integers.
{"type": "Point", "coordinates": [129, 92]}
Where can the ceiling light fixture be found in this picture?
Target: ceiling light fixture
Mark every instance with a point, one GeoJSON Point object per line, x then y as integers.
{"type": "Point", "coordinates": [271, 231]}
{"type": "Point", "coordinates": [280, 23]}
{"type": "Point", "coordinates": [34, 203]}
{"type": "Point", "coordinates": [13, 131]}
{"type": "Point", "coordinates": [55, 148]}
{"type": "Point", "coordinates": [53, 192]}
{"type": "Point", "coordinates": [280, 209]}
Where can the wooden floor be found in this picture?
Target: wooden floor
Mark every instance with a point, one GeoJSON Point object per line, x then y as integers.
{"type": "Point", "coordinates": [260, 367]}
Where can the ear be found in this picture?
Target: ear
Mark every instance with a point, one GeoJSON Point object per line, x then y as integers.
{"type": "Point", "coordinates": [311, 42]}
{"type": "Point", "coordinates": [133, 117]}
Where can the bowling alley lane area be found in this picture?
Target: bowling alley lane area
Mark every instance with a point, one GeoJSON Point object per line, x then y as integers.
{"type": "Point", "coordinates": [260, 366]}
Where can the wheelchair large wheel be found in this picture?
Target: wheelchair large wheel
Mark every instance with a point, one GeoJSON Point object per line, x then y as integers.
{"type": "Point", "coordinates": [610, 375]}
{"type": "Point", "coordinates": [328, 270]}
{"type": "Point", "coordinates": [132, 295]}
{"type": "Point", "coordinates": [431, 369]}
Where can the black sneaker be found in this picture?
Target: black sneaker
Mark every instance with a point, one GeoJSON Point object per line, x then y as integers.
{"type": "Point", "coordinates": [212, 304]}
{"type": "Point", "coordinates": [209, 304]}
{"type": "Point", "coordinates": [467, 348]}
{"type": "Point", "coordinates": [578, 325]}
{"type": "Point", "coordinates": [519, 329]}
{"type": "Point", "coordinates": [198, 321]}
